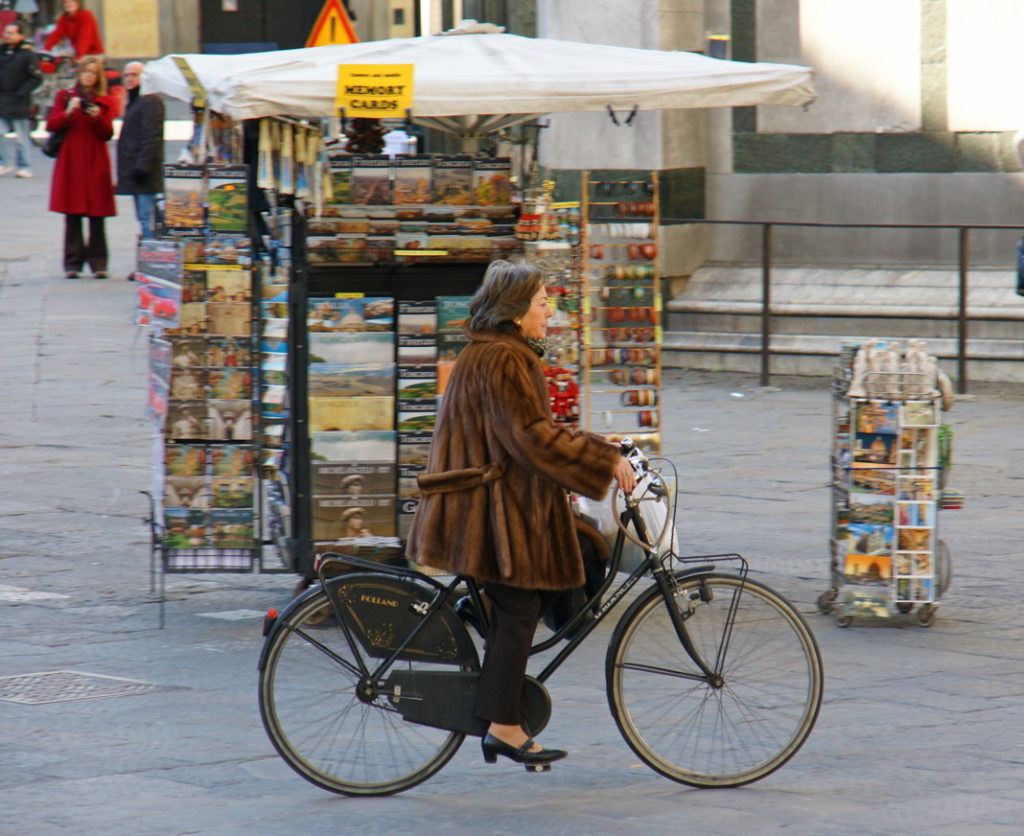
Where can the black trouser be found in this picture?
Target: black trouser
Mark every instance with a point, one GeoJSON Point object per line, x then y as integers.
{"type": "Point", "coordinates": [513, 619]}
{"type": "Point", "coordinates": [77, 252]}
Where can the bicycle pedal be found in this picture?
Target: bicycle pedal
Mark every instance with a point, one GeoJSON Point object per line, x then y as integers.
{"type": "Point", "coordinates": [537, 767]}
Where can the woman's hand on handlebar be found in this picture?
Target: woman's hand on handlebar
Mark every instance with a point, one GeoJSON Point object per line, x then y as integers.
{"type": "Point", "coordinates": [625, 475]}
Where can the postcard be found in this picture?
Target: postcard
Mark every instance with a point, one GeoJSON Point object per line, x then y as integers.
{"type": "Point", "coordinates": [228, 351]}
{"type": "Point", "coordinates": [873, 449]}
{"type": "Point", "coordinates": [229, 285]}
{"type": "Point", "coordinates": [353, 516]}
{"type": "Point", "coordinates": [186, 492]}
{"type": "Point", "coordinates": [187, 351]}
{"type": "Point", "coordinates": [185, 528]}
{"type": "Point", "coordinates": [333, 380]}
{"type": "Point", "coordinates": [413, 177]}
{"type": "Point", "coordinates": [453, 181]}
{"type": "Point", "coordinates": [417, 318]}
{"type": "Point", "coordinates": [919, 488]}
{"type": "Point", "coordinates": [186, 419]}
{"type": "Point", "coordinates": [870, 539]}
{"type": "Point", "coordinates": [231, 459]}
{"type": "Point", "coordinates": [417, 350]}
{"type": "Point", "coordinates": [230, 419]}
{"type": "Point", "coordinates": [231, 491]}
{"type": "Point", "coordinates": [340, 414]}
{"type": "Point", "coordinates": [492, 181]}
{"type": "Point", "coordinates": [185, 459]}
{"type": "Point", "coordinates": [875, 509]}
{"type": "Point", "coordinates": [867, 568]}
{"type": "Point", "coordinates": [371, 180]}
{"type": "Point", "coordinates": [353, 478]}
{"type": "Point", "coordinates": [351, 347]}
{"type": "Point", "coordinates": [184, 197]}
{"type": "Point", "coordinates": [452, 312]}
{"type": "Point", "coordinates": [349, 446]}
{"type": "Point", "coordinates": [228, 197]}
{"type": "Point", "coordinates": [914, 539]}
{"type": "Point", "coordinates": [187, 384]}
{"type": "Point", "coordinates": [413, 455]}
{"type": "Point", "coordinates": [230, 383]}
{"type": "Point", "coordinates": [877, 417]}
{"type": "Point", "coordinates": [417, 388]}
{"type": "Point", "coordinates": [352, 314]}
{"type": "Point", "coordinates": [229, 319]}
{"type": "Point", "coordinates": [232, 528]}
{"type": "Point", "coordinates": [919, 413]}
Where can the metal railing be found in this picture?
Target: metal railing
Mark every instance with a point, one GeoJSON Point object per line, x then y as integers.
{"type": "Point", "coordinates": [962, 317]}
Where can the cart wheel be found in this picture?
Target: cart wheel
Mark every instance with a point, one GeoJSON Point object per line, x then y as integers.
{"type": "Point", "coordinates": [844, 620]}
{"type": "Point", "coordinates": [926, 615]}
{"type": "Point", "coordinates": [825, 600]}
{"type": "Point", "coordinates": [904, 606]}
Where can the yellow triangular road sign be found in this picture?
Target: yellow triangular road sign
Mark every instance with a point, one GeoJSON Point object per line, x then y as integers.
{"type": "Point", "coordinates": [332, 26]}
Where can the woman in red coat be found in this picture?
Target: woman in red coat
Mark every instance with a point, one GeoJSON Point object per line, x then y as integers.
{"type": "Point", "coordinates": [79, 27]}
{"type": "Point", "coordinates": [82, 184]}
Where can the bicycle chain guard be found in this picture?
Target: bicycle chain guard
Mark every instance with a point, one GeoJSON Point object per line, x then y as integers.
{"type": "Point", "coordinates": [445, 699]}
{"type": "Point", "coordinates": [382, 611]}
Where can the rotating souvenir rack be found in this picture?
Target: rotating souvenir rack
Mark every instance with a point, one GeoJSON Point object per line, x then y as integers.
{"type": "Point", "coordinates": [890, 463]}
{"type": "Point", "coordinates": [621, 305]}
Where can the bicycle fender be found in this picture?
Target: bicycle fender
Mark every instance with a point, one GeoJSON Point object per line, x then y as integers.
{"type": "Point", "coordinates": [282, 618]}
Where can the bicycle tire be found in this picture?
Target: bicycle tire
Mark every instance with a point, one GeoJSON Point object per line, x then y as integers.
{"type": "Point", "coordinates": [691, 732]}
{"type": "Point", "coordinates": [323, 730]}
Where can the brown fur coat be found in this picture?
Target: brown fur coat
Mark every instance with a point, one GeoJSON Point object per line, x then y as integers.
{"type": "Point", "coordinates": [494, 503]}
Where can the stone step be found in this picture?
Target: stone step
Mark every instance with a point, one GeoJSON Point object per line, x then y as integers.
{"type": "Point", "coordinates": [715, 323]}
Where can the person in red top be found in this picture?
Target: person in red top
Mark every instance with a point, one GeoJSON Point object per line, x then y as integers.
{"type": "Point", "coordinates": [82, 184]}
{"type": "Point", "coordinates": [79, 26]}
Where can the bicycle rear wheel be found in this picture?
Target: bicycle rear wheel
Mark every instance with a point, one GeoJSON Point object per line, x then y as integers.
{"type": "Point", "coordinates": [323, 729]}
{"type": "Point", "coordinates": [682, 726]}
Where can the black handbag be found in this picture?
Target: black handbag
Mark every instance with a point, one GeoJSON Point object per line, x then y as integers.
{"type": "Point", "coordinates": [53, 142]}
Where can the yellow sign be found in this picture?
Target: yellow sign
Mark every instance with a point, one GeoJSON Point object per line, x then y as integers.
{"type": "Point", "coordinates": [377, 91]}
{"type": "Point", "coordinates": [332, 26]}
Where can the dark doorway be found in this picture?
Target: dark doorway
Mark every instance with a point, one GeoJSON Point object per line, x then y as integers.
{"type": "Point", "coordinates": [263, 25]}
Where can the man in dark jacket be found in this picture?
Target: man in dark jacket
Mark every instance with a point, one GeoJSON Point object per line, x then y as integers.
{"type": "Point", "coordinates": [140, 148]}
{"type": "Point", "coordinates": [19, 76]}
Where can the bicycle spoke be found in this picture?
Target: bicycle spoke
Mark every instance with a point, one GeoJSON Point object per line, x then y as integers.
{"type": "Point", "coordinates": [329, 735]}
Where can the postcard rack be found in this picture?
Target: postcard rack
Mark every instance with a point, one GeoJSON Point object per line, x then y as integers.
{"type": "Point", "coordinates": [890, 461]}
{"type": "Point", "coordinates": [622, 333]}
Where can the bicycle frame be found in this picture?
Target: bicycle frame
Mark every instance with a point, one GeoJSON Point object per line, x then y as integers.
{"type": "Point", "coordinates": [652, 565]}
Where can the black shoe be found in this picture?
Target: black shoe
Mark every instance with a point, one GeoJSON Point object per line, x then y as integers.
{"type": "Point", "coordinates": [71, 274]}
{"type": "Point", "coordinates": [466, 610]}
{"type": "Point", "coordinates": [539, 761]}
{"type": "Point", "coordinates": [100, 274]}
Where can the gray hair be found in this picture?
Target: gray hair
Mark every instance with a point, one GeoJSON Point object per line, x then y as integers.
{"type": "Point", "coordinates": [505, 295]}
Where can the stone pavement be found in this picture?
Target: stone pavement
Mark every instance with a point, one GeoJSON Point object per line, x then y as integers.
{"type": "Point", "coordinates": [920, 730]}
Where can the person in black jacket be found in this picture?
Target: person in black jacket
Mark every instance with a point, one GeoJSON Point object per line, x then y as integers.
{"type": "Point", "coordinates": [140, 148]}
{"type": "Point", "coordinates": [19, 76]}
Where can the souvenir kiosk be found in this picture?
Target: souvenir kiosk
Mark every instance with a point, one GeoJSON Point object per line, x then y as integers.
{"type": "Point", "coordinates": [362, 266]}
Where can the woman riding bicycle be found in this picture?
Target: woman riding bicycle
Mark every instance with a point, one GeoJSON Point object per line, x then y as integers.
{"type": "Point", "coordinates": [494, 504]}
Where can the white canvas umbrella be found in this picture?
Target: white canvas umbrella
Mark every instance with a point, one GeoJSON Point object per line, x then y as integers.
{"type": "Point", "coordinates": [474, 84]}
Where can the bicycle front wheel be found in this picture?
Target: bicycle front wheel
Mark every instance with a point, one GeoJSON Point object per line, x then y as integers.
{"type": "Point", "coordinates": [682, 725]}
{"type": "Point", "coordinates": [323, 729]}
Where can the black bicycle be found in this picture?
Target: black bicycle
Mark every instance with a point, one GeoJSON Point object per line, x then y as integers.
{"type": "Point", "coordinates": [367, 680]}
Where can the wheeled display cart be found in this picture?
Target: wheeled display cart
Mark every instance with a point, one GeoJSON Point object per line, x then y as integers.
{"type": "Point", "coordinates": [890, 462]}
